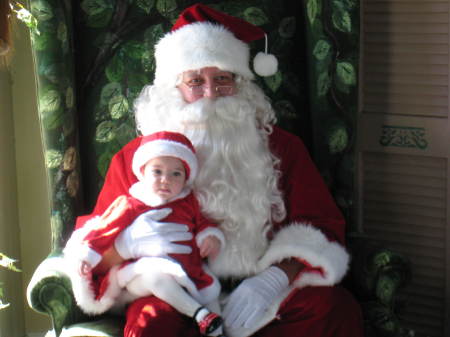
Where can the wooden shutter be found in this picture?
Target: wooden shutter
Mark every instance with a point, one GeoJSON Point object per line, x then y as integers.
{"type": "Point", "coordinates": [404, 147]}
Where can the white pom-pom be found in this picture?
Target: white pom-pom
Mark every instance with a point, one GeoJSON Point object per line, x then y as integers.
{"type": "Point", "coordinates": [265, 64]}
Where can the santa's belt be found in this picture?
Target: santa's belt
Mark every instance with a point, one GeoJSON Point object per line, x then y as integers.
{"type": "Point", "coordinates": [229, 284]}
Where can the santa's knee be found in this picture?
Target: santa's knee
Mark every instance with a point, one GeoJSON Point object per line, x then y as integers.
{"type": "Point", "coordinates": [326, 301]}
{"type": "Point", "coordinates": [151, 315]}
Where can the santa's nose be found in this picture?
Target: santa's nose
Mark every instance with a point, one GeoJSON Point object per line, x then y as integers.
{"type": "Point", "coordinates": [210, 91]}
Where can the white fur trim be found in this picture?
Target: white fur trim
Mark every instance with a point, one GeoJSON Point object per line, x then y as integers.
{"type": "Point", "coordinates": [212, 292]}
{"type": "Point", "coordinates": [199, 45]}
{"type": "Point", "coordinates": [162, 147]}
{"type": "Point", "coordinates": [210, 231]}
{"type": "Point", "coordinates": [75, 252]}
{"type": "Point", "coordinates": [85, 295]}
{"type": "Point", "coordinates": [78, 250]}
{"type": "Point", "coordinates": [309, 244]}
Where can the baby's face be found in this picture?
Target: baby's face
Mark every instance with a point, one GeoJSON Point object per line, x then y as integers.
{"type": "Point", "coordinates": [165, 175]}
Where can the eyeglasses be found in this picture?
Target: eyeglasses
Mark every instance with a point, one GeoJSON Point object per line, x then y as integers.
{"type": "Point", "coordinates": [199, 90]}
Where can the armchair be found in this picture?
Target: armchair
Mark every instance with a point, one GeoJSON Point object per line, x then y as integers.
{"type": "Point", "coordinates": [85, 118]}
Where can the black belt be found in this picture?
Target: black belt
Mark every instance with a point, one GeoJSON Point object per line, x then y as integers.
{"type": "Point", "coordinates": [229, 284]}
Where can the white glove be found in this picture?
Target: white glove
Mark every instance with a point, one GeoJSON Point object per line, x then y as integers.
{"type": "Point", "coordinates": [250, 300]}
{"type": "Point", "coordinates": [148, 237]}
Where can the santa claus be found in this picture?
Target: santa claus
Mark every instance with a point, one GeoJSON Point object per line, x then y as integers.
{"type": "Point", "coordinates": [285, 253]}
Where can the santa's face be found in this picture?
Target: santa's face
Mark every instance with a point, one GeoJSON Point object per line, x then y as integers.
{"type": "Point", "coordinates": [165, 176]}
{"type": "Point", "coordinates": [208, 82]}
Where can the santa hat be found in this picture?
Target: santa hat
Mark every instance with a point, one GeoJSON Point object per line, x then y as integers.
{"type": "Point", "coordinates": [203, 37]}
{"type": "Point", "coordinates": [168, 144]}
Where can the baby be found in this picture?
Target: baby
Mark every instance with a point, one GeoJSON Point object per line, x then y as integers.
{"type": "Point", "coordinates": [166, 165]}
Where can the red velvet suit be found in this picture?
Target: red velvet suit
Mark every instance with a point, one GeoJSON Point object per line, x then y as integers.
{"type": "Point", "coordinates": [313, 233]}
{"type": "Point", "coordinates": [185, 211]}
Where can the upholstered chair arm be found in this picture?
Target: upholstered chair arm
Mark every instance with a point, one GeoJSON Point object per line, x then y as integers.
{"type": "Point", "coordinates": [377, 277]}
{"type": "Point", "coordinates": [50, 292]}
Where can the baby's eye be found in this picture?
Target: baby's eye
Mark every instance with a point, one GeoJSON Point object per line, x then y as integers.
{"type": "Point", "coordinates": [177, 174]}
{"type": "Point", "coordinates": [156, 172]}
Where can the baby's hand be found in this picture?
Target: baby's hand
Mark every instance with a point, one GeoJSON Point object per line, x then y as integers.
{"type": "Point", "coordinates": [84, 268]}
{"type": "Point", "coordinates": [210, 247]}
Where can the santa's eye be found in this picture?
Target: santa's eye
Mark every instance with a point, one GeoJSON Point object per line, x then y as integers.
{"type": "Point", "coordinates": [193, 81]}
{"type": "Point", "coordinates": [224, 79]}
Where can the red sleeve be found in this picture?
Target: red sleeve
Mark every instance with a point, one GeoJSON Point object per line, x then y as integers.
{"type": "Point", "coordinates": [119, 215]}
{"type": "Point", "coordinates": [307, 198]}
{"type": "Point", "coordinates": [118, 180]}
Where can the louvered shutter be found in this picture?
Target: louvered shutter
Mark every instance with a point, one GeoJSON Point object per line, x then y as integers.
{"type": "Point", "coordinates": [404, 147]}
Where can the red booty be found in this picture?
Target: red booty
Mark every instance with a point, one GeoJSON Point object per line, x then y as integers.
{"type": "Point", "coordinates": [209, 323]}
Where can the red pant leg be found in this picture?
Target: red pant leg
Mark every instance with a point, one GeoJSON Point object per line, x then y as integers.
{"type": "Point", "coordinates": [317, 312]}
{"type": "Point", "coordinates": [152, 317]}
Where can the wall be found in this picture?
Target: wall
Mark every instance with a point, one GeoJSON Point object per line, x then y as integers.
{"type": "Point", "coordinates": [404, 148]}
{"type": "Point", "coordinates": [32, 200]}
{"type": "Point", "coordinates": [11, 319]}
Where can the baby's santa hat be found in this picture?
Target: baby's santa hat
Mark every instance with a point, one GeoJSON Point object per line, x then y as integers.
{"type": "Point", "coordinates": [167, 144]}
{"type": "Point", "coordinates": [203, 37]}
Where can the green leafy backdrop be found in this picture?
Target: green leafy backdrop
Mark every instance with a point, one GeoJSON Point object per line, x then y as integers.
{"type": "Point", "coordinates": [333, 45]}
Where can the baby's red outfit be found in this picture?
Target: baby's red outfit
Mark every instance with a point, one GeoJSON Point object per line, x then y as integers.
{"type": "Point", "coordinates": [184, 211]}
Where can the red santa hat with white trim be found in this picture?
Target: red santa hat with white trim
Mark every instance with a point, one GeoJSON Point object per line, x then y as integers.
{"type": "Point", "coordinates": [166, 144]}
{"type": "Point", "coordinates": [204, 37]}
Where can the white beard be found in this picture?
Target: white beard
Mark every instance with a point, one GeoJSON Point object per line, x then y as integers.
{"type": "Point", "coordinates": [237, 181]}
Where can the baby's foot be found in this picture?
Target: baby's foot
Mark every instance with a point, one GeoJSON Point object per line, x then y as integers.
{"type": "Point", "coordinates": [208, 322]}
